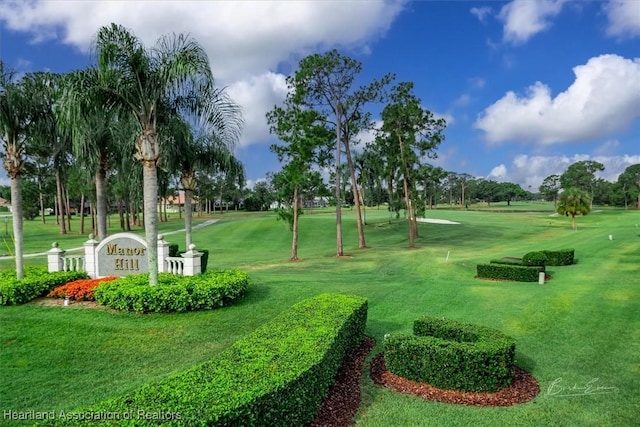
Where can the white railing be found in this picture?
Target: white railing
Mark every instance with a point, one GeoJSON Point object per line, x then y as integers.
{"type": "Point", "coordinates": [73, 263]}
{"type": "Point", "coordinates": [175, 265]}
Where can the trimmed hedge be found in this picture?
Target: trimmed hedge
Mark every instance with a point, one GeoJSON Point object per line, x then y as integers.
{"type": "Point", "coordinates": [452, 355]}
{"type": "Point", "coordinates": [37, 282]}
{"type": "Point", "coordinates": [535, 258]}
{"type": "Point", "coordinates": [174, 293]}
{"type": "Point", "coordinates": [560, 257]}
{"type": "Point", "coordinates": [518, 273]}
{"type": "Point", "coordinates": [276, 376]}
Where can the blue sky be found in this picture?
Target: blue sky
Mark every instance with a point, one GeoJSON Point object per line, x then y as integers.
{"type": "Point", "coordinates": [527, 87]}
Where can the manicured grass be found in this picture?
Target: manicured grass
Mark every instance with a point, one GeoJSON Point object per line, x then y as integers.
{"type": "Point", "coordinates": [580, 328]}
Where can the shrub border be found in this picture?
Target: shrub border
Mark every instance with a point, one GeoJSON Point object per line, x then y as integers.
{"type": "Point", "coordinates": [278, 375]}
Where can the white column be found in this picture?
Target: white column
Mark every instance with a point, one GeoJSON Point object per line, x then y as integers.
{"type": "Point", "coordinates": [55, 261]}
{"type": "Point", "coordinates": [90, 259]}
{"type": "Point", "coordinates": [163, 253]}
{"type": "Point", "coordinates": [192, 261]}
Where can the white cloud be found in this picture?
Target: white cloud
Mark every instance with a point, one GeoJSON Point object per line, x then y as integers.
{"type": "Point", "coordinates": [499, 173]}
{"type": "Point", "coordinates": [525, 18]}
{"type": "Point", "coordinates": [532, 170]}
{"type": "Point", "coordinates": [258, 95]}
{"type": "Point", "coordinates": [481, 13]}
{"type": "Point", "coordinates": [246, 41]}
{"type": "Point", "coordinates": [623, 17]}
{"type": "Point", "coordinates": [241, 38]}
{"type": "Point", "coordinates": [603, 99]}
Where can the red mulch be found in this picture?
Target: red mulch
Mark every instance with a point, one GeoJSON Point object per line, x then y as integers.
{"type": "Point", "coordinates": [342, 402]}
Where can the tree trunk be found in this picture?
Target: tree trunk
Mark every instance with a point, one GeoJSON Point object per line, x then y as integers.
{"type": "Point", "coordinates": [339, 247]}
{"type": "Point", "coordinates": [573, 222]}
{"type": "Point", "coordinates": [63, 228]}
{"type": "Point", "coordinates": [101, 198]}
{"type": "Point", "coordinates": [68, 205]}
{"type": "Point", "coordinates": [121, 215]}
{"type": "Point", "coordinates": [150, 194]}
{"type": "Point", "coordinates": [294, 228]}
{"type": "Point", "coordinates": [81, 214]}
{"type": "Point", "coordinates": [413, 229]}
{"type": "Point", "coordinates": [356, 195]}
{"type": "Point", "coordinates": [187, 216]}
{"type": "Point", "coordinates": [16, 208]}
{"type": "Point", "coordinates": [41, 197]}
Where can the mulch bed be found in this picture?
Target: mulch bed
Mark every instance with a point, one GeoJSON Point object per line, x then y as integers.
{"type": "Point", "coordinates": [342, 402]}
{"type": "Point", "coordinates": [523, 388]}
{"type": "Point", "coordinates": [343, 399]}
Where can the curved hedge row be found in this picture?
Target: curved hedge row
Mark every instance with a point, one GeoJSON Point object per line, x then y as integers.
{"type": "Point", "coordinates": [37, 282]}
{"type": "Point", "coordinates": [276, 376]}
{"type": "Point", "coordinates": [452, 355]}
{"type": "Point", "coordinates": [204, 291]}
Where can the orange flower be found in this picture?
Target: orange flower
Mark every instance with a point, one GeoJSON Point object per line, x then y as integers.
{"type": "Point", "coordinates": [79, 289]}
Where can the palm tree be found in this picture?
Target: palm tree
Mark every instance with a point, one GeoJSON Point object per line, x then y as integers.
{"type": "Point", "coordinates": [204, 149]}
{"type": "Point", "coordinates": [93, 122]}
{"type": "Point", "coordinates": [14, 118]}
{"type": "Point", "coordinates": [573, 202]}
{"type": "Point", "coordinates": [140, 79]}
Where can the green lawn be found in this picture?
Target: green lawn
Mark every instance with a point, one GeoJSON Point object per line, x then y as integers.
{"type": "Point", "coordinates": [581, 329]}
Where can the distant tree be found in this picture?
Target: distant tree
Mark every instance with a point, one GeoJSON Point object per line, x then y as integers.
{"type": "Point", "coordinates": [416, 133]}
{"type": "Point", "coordinates": [305, 136]}
{"type": "Point", "coordinates": [488, 191]}
{"type": "Point", "coordinates": [326, 83]}
{"type": "Point", "coordinates": [510, 191]}
{"type": "Point", "coordinates": [550, 188]}
{"type": "Point", "coordinates": [630, 182]}
{"type": "Point", "coordinates": [574, 202]}
{"type": "Point", "coordinates": [582, 175]}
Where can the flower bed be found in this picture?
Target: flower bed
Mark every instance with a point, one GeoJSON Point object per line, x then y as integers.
{"type": "Point", "coordinates": [79, 290]}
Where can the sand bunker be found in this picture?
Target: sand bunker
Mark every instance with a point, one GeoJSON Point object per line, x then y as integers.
{"type": "Point", "coordinates": [436, 221]}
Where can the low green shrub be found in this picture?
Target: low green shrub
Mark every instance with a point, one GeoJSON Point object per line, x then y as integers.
{"type": "Point", "coordinates": [535, 258]}
{"type": "Point", "coordinates": [517, 273]}
{"type": "Point", "coordinates": [560, 257]}
{"type": "Point", "coordinates": [174, 293]}
{"type": "Point", "coordinates": [37, 282]}
{"type": "Point", "coordinates": [452, 355]}
{"type": "Point", "coordinates": [276, 376]}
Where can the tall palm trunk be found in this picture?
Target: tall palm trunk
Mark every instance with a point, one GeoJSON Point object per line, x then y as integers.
{"type": "Point", "coordinates": [101, 198]}
{"type": "Point", "coordinates": [68, 207]}
{"type": "Point", "coordinates": [188, 216]}
{"type": "Point", "coordinates": [150, 195]}
{"type": "Point", "coordinates": [16, 208]}
{"type": "Point", "coordinates": [61, 221]}
{"type": "Point", "coordinates": [82, 214]}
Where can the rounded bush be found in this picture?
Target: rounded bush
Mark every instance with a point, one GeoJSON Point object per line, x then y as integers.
{"type": "Point", "coordinates": [205, 291]}
{"type": "Point", "coordinates": [534, 259]}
